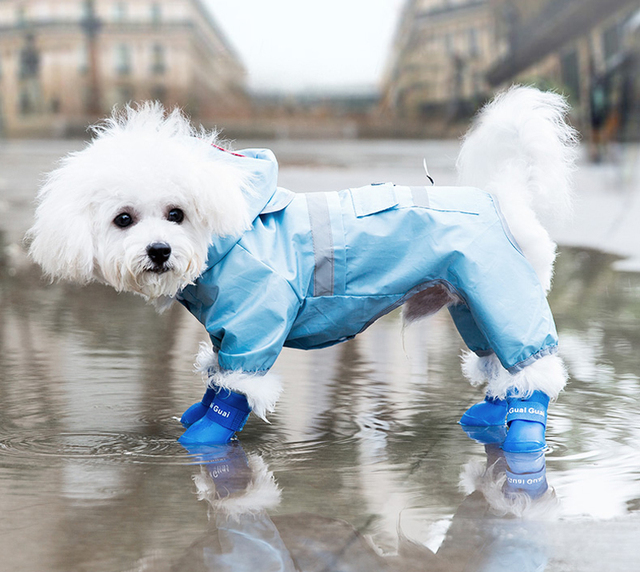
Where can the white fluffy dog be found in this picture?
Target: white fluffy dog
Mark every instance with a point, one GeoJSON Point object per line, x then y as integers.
{"type": "Point", "coordinates": [153, 206]}
{"type": "Point", "coordinates": [153, 175]}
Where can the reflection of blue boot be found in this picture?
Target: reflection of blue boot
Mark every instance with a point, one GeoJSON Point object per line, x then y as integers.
{"type": "Point", "coordinates": [198, 410]}
{"type": "Point", "coordinates": [226, 464]}
{"type": "Point", "coordinates": [488, 413]}
{"type": "Point", "coordinates": [527, 420]}
{"type": "Point", "coordinates": [227, 414]}
{"type": "Point", "coordinates": [526, 473]}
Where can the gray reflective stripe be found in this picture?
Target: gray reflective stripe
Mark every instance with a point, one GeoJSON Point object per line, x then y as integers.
{"type": "Point", "coordinates": [322, 244]}
{"type": "Point", "coordinates": [420, 197]}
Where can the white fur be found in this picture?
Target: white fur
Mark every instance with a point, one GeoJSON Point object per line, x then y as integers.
{"type": "Point", "coordinates": [262, 492]}
{"type": "Point", "coordinates": [262, 390]}
{"type": "Point", "coordinates": [547, 374]}
{"type": "Point", "coordinates": [480, 370]}
{"type": "Point", "coordinates": [521, 150]}
{"type": "Point", "coordinates": [490, 481]}
{"type": "Point", "coordinates": [145, 162]}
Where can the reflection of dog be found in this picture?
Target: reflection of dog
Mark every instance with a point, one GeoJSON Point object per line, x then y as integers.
{"type": "Point", "coordinates": [155, 207]}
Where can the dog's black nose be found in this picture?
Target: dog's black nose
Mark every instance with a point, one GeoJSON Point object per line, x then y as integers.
{"type": "Point", "coordinates": [159, 252]}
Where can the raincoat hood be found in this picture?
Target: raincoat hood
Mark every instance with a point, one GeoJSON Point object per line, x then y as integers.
{"type": "Point", "coordinates": [262, 195]}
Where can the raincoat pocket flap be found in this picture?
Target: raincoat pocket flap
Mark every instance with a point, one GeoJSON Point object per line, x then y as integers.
{"type": "Point", "coordinates": [373, 199]}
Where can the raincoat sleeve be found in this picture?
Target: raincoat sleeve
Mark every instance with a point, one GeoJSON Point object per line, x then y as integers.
{"type": "Point", "coordinates": [252, 321]}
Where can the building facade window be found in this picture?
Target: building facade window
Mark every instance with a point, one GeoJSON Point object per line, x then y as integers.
{"type": "Point", "coordinates": [83, 60]}
{"type": "Point", "coordinates": [474, 45]}
{"type": "Point", "coordinates": [24, 102]}
{"type": "Point", "coordinates": [21, 16]}
{"type": "Point", "coordinates": [449, 44]}
{"type": "Point", "coordinates": [90, 99]}
{"type": "Point", "coordinates": [125, 94]}
{"type": "Point", "coordinates": [29, 99]}
{"type": "Point", "coordinates": [120, 11]}
{"type": "Point", "coordinates": [159, 93]}
{"type": "Point", "coordinates": [158, 60]}
{"type": "Point", "coordinates": [156, 13]}
{"type": "Point", "coordinates": [86, 10]}
{"type": "Point", "coordinates": [123, 59]}
{"type": "Point", "coordinates": [29, 65]}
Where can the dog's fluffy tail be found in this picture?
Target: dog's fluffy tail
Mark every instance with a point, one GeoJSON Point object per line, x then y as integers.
{"type": "Point", "coordinates": [522, 150]}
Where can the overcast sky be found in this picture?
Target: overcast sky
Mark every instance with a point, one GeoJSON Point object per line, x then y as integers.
{"type": "Point", "coordinates": [297, 45]}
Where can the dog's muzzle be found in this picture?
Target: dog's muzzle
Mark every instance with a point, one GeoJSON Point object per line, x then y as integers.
{"type": "Point", "coordinates": [159, 253]}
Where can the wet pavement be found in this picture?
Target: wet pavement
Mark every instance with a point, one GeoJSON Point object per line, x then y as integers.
{"type": "Point", "coordinates": [363, 466]}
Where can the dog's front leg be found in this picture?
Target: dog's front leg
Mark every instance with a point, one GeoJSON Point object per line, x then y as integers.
{"type": "Point", "coordinates": [230, 397]}
{"type": "Point", "coordinates": [226, 414]}
{"type": "Point", "coordinates": [221, 412]}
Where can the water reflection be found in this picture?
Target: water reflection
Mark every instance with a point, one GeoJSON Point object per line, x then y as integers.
{"type": "Point", "coordinates": [501, 525]}
{"type": "Point", "coordinates": [240, 491]}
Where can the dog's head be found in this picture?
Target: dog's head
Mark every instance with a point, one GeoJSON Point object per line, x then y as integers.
{"type": "Point", "coordinates": [138, 207]}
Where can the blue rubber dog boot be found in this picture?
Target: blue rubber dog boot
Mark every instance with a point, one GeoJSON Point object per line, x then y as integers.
{"type": "Point", "coordinates": [198, 410]}
{"type": "Point", "coordinates": [527, 420]}
{"type": "Point", "coordinates": [227, 414]}
{"type": "Point", "coordinates": [488, 413]}
{"type": "Point", "coordinates": [490, 435]}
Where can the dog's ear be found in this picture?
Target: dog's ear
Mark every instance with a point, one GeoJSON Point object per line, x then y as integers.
{"type": "Point", "coordinates": [60, 239]}
{"type": "Point", "coordinates": [220, 190]}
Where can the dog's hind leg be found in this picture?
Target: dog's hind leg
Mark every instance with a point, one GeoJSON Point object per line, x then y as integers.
{"type": "Point", "coordinates": [479, 366]}
{"type": "Point", "coordinates": [507, 324]}
{"type": "Point", "coordinates": [523, 397]}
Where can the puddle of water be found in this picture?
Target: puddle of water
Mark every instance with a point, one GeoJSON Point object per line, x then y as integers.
{"type": "Point", "coordinates": [363, 466]}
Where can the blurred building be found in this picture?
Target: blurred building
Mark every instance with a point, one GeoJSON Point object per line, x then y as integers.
{"type": "Point", "coordinates": [450, 55]}
{"type": "Point", "coordinates": [64, 63]}
{"type": "Point", "coordinates": [442, 51]}
{"type": "Point", "coordinates": [588, 49]}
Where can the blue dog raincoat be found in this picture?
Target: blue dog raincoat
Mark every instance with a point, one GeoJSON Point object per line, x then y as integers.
{"type": "Point", "coordinates": [316, 269]}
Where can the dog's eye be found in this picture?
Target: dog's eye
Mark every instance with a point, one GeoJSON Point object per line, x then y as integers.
{"type": "Point", "coordinates": [175, 215]}
{"type": "Point", "coordinates": [123, 220]}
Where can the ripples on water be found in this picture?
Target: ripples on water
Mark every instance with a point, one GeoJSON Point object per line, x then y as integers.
{"type": "Point", "coordinates": [363, 454]}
